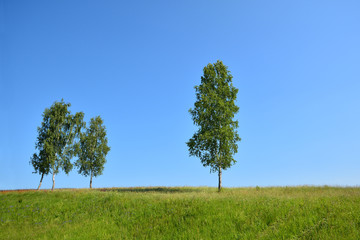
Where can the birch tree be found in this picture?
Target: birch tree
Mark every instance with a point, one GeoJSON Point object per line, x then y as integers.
{"type": "Point", "coordinates": [215, 141]}
{"type": "Point", "coordinates": [92, 149]}
{"type": "Point", "coordinates": [55, 142]}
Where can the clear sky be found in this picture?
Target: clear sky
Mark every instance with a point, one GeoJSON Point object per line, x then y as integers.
{"type": "Point", "coordinates": [135, 63]}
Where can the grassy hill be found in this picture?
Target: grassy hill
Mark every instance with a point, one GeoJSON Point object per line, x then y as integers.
{"type": "Point", "coordinates": [182, 213]}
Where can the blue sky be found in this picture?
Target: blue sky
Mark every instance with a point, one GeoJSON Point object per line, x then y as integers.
{"type": "Point", "coordinates": [135, 63]}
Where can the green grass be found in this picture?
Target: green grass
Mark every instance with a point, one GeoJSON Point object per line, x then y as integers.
{"type": "Point", "coordinates": [182, 213]}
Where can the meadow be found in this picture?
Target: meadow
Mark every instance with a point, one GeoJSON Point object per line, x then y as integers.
{"type": "Point", "coordinates": [182, 213]}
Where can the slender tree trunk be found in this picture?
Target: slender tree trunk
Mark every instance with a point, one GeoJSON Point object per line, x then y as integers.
{"type": "Point", "coordinates": [219, 187]}
{"type": "Point", "coordinates": [42, 176]}
{"type": "Point", "coordinates": [91, 175]}
{"type": "Point", "coordinates": [53, 178]}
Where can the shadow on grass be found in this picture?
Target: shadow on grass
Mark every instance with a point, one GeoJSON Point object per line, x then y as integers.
{"type": "Point", "coordinates": [151, 189]}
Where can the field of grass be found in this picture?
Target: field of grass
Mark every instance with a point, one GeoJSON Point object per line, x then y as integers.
{"type": "Point", "coordinates": [182, 213]}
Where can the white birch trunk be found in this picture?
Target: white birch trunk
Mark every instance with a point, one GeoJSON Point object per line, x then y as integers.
{"type": "Point", "coordinates": [53, 179]}
{"type": "Point", "coordinates": [42, 176]}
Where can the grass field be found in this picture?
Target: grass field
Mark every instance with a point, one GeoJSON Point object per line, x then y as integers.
{"type": "Point", "coordinates": [182, 213]}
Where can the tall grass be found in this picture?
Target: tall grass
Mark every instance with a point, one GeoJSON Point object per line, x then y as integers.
{"type": "Point", "coordinates": [182, 213]}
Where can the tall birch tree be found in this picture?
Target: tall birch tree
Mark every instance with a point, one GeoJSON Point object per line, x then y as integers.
{"type": "Point", "coordinates": [55, 142]}
{"type": "Point", "coordinates": [215, 141]}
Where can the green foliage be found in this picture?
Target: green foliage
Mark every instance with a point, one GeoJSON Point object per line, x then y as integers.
{"type": "Point", "coordinates": [182, 213]}
{"type": "Point", "coordinates": [92, 149]}
{"type": "Point", "coordinates": [55, 141]}
{"type": "Point", "coordinates": [215, 142]}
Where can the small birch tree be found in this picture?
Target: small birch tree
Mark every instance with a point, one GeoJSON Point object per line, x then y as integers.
{"type": "Point", "coordinates": [92, 149]}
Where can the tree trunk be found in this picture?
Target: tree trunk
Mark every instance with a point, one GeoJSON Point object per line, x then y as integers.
{"type": "Point", "coordinates": [53, 178]}
{"type": "Point", "coordinates": [219, 187]}
{"type": "Point", "coordinates": [91, 175]}
{"type": "Point", "coordinates": [42, 176]}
